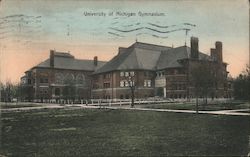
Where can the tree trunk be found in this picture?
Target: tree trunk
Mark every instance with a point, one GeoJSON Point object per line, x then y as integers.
{"type": "Point", "coordinates": [132, 97]}
{"type": "Point", "coordinates": [196, 105]}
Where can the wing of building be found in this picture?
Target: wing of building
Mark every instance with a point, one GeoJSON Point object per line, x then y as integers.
{"type": "Point", "coordinates": [153, 70]}
{"type": "Point", "coordinates": [158, 71]}
{"type": "Point", "coordinates": [60, 76]}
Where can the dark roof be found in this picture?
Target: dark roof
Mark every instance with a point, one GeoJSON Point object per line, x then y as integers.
{"type": "Point", "coordinates": [142, 56]}
{"type": "Point", "coordinates": [169, 59]}
{"type": "Point", "coordinates": [137, 56]}
{"type": "Point", "coordinates": [67, 61]}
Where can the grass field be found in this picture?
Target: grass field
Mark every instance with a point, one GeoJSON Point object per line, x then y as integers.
{"type": "Point", "coordinates": [103, 132]}
{"type": "Point", "coordinates": [4, 105]}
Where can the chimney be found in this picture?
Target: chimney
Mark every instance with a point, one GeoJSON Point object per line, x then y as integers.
{"type": "Point", "coordinates": [52, 55]}
{"type": "Point", "coordinates": [213, 53]}
{"type": "Point", "coordinates": [194, 47]}
{"type": "Point", "coordinates": [95, 60]}
{"type": "Point", "coordinates": [218, 47]}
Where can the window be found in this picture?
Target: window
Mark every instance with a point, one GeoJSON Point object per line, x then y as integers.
{"type": "Point", "coordinates": [122, 73]}
{"type": "Point", "coordinates": [106, 85]}
{"type": "Point", "coordinates": [80, 79]}
{"type": "Point", "coordinates": [46, 80]}
{"type": "Point", "coordinates": [95, 86]}
{"type": "Point", "coordinates": [121, 83]}
{"type": "Point", "coordinates": [132, 73]}
{"type": "Point", "coordinates": [147, 83]}
{"type": "Point", "coordinates": [121, 96]}
{"type": "Point", "coordinates": [132, 83]}
{"type": "Point", "coordinates": [105, 76]}
{"type": "Point", "coordinates": [29, 81]}
{"type": "Point", "coordinates": [126, 74]}
{"type": "Point", "coordinates": [126, 83]}
{"type": "Point", "coordinates": [57, 91]}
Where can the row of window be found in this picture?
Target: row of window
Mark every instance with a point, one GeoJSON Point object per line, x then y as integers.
{"type": "Point", "coordinates": [43, 91]}
{"type": "Point", "coordinates": [178, 87]}
{"type": "Point", "coordinates": [61, 78]}
{"type": "Point", "coordinates": [160, 74]}
{"type": "Point", "coordinates": [126, 83]}
{"type": "Point", "coordinates": [127, 73]}
{"type": "Point", "coordinates": [44, 80]}
{"type": "Point", "coordinates": [105, 76]}
{"type": "Point", "coordinates": [175, 71]}
{"type": "Point", "coordinates": [146, 73]}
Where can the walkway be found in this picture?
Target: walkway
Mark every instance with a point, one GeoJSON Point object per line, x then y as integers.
{"type": "Point", "coordinates": [239, 112]}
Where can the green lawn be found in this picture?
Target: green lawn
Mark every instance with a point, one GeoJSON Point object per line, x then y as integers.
{"type": "Point", "coordinates": [202, 107]}
{"type": "Point", "coordinates": [4, 105]}
{"type": "Point", "coordinates": [103, 132]}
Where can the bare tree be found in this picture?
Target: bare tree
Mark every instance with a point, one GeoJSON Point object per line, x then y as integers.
{"type": "Point", "coordinates": [9, 91]}
{"type": "Point", "coordinates": [131, 83]}
{"type": "Point", "coordinates": [241, 85]}
{"type": "Point", "coordinates": [203, 80]}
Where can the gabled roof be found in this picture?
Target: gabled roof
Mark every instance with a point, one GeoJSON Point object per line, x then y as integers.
{"type": "Point", "coordinates": [142, 56]}
{"type": "Point", "coordinates": [138, 56]}
{"type": "Point", "coordinates": [67, 61]}
{"type": "Point", "coordinates": [169, 58]}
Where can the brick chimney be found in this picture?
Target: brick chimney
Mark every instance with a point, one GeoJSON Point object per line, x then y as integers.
{"type": "Point", "coordinates": [213, 53]}
{"type": "Point", "coordinates": [95, 60]}
{"type": "Point", "coordinates": [194, 47]}
{"type": "Point", "coordinates": [218, 47]}
{"type": "Point", "coordinates": [52, 55]}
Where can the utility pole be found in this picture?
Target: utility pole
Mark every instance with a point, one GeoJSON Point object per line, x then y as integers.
{"type": "Point", "coordinates": [186, 36]}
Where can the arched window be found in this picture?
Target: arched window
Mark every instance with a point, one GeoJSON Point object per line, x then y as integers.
{"type": "Point", "coordinates": [80, 79]}
{"type": "Point", "coordinates": [59, 78]}
{"type": "Point", "coordinates": [69, 78]}
{"type": "Point", "coordinates": [57, 91]}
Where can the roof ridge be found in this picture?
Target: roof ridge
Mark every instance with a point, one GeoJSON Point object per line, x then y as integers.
{"type": "Point", "coordinates": [128, 53]}
{"type": "Point", "coordinates": [113, 61]}
{"type": "Point", "coordinates": [162, 53]}
{"type": "Point", "coordinates": [136, 58]}
{"type": "Point", "coordinates": [151, 44]}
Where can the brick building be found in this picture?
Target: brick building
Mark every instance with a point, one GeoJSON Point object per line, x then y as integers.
{"type": "Point", "coordinates": [158, 71]}
{"type": "Point", "coordinates": [48, 79]}
{"type": "Point", "coordinates": [153, 70]}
